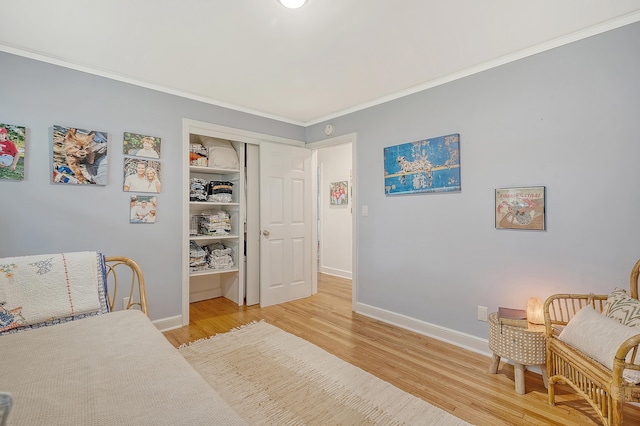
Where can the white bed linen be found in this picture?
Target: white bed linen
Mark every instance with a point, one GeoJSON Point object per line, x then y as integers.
{"type": "Point", "coordinates": [39, 289]}
{"type": "Point", "coordinates": [112, 369]}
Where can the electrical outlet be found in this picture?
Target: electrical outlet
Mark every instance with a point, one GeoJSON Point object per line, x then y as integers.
{"type": "Point", "coordinates": [482, 313]}
{"type": "Point", "coordinates": [125, 303]}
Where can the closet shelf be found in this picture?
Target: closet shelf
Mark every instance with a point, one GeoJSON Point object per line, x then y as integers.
{"type": "Point", "coordinates": [210, 170]}
{"type": "Point", "coordinates": [212, 272]}
{"type": "Point", "coordinates": [212, 204]}
{"type": "Point", "coordinates": [212, 237]}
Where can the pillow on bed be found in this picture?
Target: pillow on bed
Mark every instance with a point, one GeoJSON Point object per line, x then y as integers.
{"type": "Point", "coordinates": [221, 153]}
{"type": "Point", "coordinates": [43, 290]}
{"type": "Point", "coordinates": [623, 308]}
{"type": "Point", "coordinates": [599, 337]}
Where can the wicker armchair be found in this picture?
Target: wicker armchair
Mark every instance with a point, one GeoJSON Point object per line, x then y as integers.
{"type": "Point", "coordinates": [604, 389]}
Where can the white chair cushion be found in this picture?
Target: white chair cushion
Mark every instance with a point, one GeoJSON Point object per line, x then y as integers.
{"type": "Point", "coordinates": [599, 337]}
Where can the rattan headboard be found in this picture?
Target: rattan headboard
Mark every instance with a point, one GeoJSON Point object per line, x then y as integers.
{"type": "Point", "coordinates": [137, 295]}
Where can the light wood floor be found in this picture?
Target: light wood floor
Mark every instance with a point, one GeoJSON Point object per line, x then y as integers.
{"type": "Point", "coordinates": [451, 378]}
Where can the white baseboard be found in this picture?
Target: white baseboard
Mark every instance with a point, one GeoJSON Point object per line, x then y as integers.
{"type": "Point", "coordinates": [336, 272]}
{"type": "Point", "coordinates": [212, 293]}
{"type": "Point", "coordinates": [457, 338]}
{"type": "Point", "coordinates": [166, 324]}
{"type": "Point", "coordinates": [171, 323]}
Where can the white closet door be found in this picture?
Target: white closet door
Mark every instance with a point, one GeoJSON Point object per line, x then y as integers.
{"type": "Point", "coordinates": [285, 221]}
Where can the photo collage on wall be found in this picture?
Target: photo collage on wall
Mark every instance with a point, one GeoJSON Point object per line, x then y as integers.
{"type": "Point", "coordinates": [12, 151]}
{"type": "Point", "coordinates": [80, 157]}
{"type": "Point", "coordinates": [142, 174]}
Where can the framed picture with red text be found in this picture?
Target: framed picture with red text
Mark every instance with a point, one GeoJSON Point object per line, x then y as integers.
{"type": "Point", "coordinates": [520, 208]}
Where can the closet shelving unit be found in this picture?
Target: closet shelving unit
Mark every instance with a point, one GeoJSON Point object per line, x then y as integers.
{"type": "Point", "coordinates": [209, 283]}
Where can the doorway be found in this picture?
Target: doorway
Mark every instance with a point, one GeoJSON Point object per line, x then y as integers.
{"type": "Point", "coordinates": [334, 208]}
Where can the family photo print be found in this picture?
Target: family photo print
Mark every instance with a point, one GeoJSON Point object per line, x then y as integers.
{"type": "Point", "coordinates": [141, 175]}
{"type": "Point", "coordinates": [12, 149]}
{"type": "Point", "coordinates": [143, 209]}
{"type": "Point", "coordinates": [141, 145]}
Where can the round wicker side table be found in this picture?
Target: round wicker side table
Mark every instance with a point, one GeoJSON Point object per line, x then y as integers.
{"type": "Point", "coordinates": [523, 346]}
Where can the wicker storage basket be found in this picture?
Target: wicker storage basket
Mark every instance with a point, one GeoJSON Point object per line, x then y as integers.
{"type": "Point", "coordinates": [519, 344]}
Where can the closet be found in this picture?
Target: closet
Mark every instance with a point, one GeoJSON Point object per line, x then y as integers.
{"type": "Point", "coordinates": [216, 219]}
{"type": "Point", "coordinates": [257, 212]}
{"type": "Point", "coordinates": [214, 212]}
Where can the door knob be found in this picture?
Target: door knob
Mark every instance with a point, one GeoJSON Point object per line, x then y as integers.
{"type": "Point", "coordinates": [265, 233]}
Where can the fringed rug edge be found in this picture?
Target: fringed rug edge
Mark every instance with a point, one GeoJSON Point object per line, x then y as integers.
{"type": "Point", "coordinates": [204, 339]}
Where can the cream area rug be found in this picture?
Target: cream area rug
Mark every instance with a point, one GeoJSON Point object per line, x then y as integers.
{"type": "Point", "coordinates": [271, 377]}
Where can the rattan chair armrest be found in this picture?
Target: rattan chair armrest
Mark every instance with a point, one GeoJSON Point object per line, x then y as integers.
{"type": "Point", "coordinates": [619, 362]}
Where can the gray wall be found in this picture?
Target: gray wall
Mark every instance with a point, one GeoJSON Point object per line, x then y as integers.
{"type": "Point", "coordinates": [40, 217]}
{"type": "Point", "coordinates": [568, 119]}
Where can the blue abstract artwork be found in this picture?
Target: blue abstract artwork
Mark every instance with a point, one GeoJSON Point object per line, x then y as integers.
{"type": "Point", "coordinates": [429, 165]}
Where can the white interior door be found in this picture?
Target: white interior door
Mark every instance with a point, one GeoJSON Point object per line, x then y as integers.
{"type": "Point", "coordinates": [285, 221]}
{"type": "Point", "coordinates": [252, 237]}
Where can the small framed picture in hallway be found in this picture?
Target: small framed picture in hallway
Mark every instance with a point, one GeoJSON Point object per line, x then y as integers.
{"type": "Point", "coordinates": [339, 193]}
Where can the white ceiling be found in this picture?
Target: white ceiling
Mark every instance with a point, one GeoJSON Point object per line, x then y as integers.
{"type": "Point", "coordinates": [300, 66]}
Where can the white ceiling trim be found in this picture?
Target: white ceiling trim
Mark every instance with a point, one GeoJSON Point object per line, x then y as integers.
{"type": "Point", "coordinates": [137, 82]}
{"type": "Point", "coordinates": [231, 133]}
{"type": "Point", "coordinates": [578, 35]}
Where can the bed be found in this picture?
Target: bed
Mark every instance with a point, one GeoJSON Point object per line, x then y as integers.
{"type": "Point", "coordinates": [97, 368]}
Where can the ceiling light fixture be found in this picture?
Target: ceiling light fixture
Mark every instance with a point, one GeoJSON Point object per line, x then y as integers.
{"type": "Point", "coordinates": [292, 4]}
